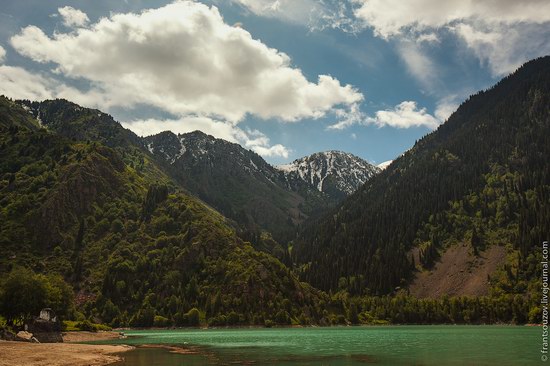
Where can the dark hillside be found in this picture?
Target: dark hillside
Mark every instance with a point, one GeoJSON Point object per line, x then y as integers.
{"type": "Point", "coordinates": [484, 174]}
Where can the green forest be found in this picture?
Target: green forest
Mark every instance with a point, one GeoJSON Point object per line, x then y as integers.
{"type": "Point", "coordinates": [99, 229]}
{"type": "Point", "coordinates": [481, 178]}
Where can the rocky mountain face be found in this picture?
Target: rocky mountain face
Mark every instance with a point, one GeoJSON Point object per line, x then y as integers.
{"type": "Point", "coordinates": [233, 180]}
{"type": "Point", "coordinates": [336, 173]}
{"type": "Point", "coordinates": [199, 150]}
{"type": "Point", "coordinates": [244, 187]}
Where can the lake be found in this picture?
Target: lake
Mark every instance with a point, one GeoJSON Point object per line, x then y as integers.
{"type": "Point", "coordinates": [391, 345]}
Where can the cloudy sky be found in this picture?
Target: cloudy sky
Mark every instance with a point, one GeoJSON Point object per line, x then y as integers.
{"type": "Point", "coordinates": [284, 78]}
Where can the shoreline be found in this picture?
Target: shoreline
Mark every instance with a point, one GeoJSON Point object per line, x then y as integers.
{"type": "Point", "coordinates": [59, 354]}
{"type": "Point", "coordinates": [239, 327]}
{"type": "Point", "coordinates": [85, 336]}
{"type": "Point", "coordinates": [78, 354]}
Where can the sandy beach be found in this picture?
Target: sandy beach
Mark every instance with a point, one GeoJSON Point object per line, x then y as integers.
{"type": "Point", "coordinates": [79, 337]}
{"type": "Point", "coordinates": [58, 354]}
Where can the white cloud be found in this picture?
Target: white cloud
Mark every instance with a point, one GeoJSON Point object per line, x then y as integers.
{"type": "Point", "coordinates": [504, 48]}
{"type": "Point", "coordinates": [418, 64]}
{"type": "Point", "coordinates": [16, 82]}
{"type": "Point", "coordinates": [393, 17]}
{"type": "Point", "coordinates": [428, 38]}
{"type": "Point", "coordinates": [184, 59]}
{"type": "Point", "coordinates": [295, 11]}
{"type": "Point", "coordinates": [353, 116]}
{"type": "Point", "coordinates": [314, 14]}
{"type": "Point", "coordinates": [2, 54]}
{"type": "Point", "coordinates": [260, 143]}
{"type": "Point", "coordinates": [251, 139]}
{"type": "Point", "coordinates": [503, 34]}
{"type": "Point", "coordinates": [446, 106]}
{"type": "Point", "coordinates": [73, 17]}
{"type": "Point", "coordinates": [404, 115]}
{"type": "Point", "coordinates": [272, 151]}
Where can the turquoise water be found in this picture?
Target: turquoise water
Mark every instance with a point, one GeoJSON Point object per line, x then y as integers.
{"type": "Point", "coordinates": [395, 345]}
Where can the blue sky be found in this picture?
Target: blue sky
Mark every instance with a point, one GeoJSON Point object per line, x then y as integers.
{"type": "Point", "coordinates": [284, 78]}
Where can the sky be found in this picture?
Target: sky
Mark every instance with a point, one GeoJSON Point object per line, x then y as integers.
{"type": "Point", "coordinates": [284, 78]}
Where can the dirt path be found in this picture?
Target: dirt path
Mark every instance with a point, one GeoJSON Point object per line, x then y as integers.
{"type": "Point", "coordinates": [58, 354]}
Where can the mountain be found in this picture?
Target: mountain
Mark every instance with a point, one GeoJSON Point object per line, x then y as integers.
{"type": "Point", "coordinates": [262, 201]}
{"type": "Point", "coordinates": [336, 173]}
{"type": "Point", "coordinates": [115, 215]}
{"type": "Point", "coordinates": [243, 187]}
{"type": "Point", "coordinates": [480, 181]}
{"type": "Point", "coordinates": [237, 182]}
{"type": "Point", "coordinates": [136, 248]}
{"type": "Point", "coordinates": [82, 124]}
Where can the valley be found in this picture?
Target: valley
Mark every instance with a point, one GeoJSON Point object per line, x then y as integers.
{"type": "Point", "coordinates": [188, 229]}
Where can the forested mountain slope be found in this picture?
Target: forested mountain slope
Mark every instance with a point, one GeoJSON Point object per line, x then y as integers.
{"type": "Point", "coordinates": [237, 182]}
{"type": "Point", "coordinates": [481, 178]}
{"type": "Point", "coordinates": [137, 250]}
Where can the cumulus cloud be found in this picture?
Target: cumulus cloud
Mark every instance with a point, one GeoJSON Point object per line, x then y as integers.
{"type": "Point", "coordinates": [404, 115]}
{"type": "Point", "coordinates": [2, 54]}
{"type": "Point", "coordinates": [354, 116]}
{"type": "Point", "coordinates": [184, 59]}
{"type": "Point", "coordinates": [503, 34]}
{"type": "Point", "coordinates": [251, 139]}
{"type": "Point", "coordinates": [73, 17]}
{"type": "Point", "coordinates": [18, 83]}
{"type": "Point", "coordinates": [277, 150]}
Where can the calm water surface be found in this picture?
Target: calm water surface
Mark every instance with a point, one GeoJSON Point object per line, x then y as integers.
{"type": "Point", "coordinates": [395, 345]}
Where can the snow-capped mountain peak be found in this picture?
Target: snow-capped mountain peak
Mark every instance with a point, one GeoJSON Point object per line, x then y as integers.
{"type": "Point", "coordinates": [331, 171]}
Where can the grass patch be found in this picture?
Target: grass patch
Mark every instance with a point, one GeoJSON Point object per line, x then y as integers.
{"type": "Point", "coordinates": [86, 325]}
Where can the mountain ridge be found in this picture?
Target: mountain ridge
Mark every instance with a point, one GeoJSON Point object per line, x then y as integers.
{"type": "Point", "coordinates": [480, 178]}
{"type": "Point", "coordinates": [89, 200]}
{"type": "Point", "coordinates": [141, 251]}
{"type": "Point", "coordinates": [336, 172]}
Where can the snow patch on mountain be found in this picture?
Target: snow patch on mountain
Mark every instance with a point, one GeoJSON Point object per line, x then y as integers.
{"type": "Point", "coordinates": [384, 165]}
{"type": "Point", "coordinates": [346, 172]}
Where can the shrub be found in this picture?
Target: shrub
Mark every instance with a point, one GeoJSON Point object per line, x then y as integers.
{"type": "Point", "coordinates": [161, 321]}
{"type": "Point", "coordinates": [193, 317]}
